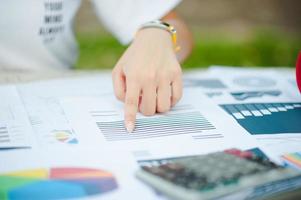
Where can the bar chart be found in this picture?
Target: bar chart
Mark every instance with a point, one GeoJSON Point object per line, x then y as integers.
{"type": "Point", "coordinates": [166, 125]}
{"type": "Point", "coordinates": [12, 137]}
{"type": "Point", "coordinates": [267, 118]}
{"type": "Point", "coordinates": [4, 136]}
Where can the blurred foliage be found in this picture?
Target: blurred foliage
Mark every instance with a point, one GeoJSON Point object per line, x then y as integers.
{"type": "Point", "coordinates": [261, 49]}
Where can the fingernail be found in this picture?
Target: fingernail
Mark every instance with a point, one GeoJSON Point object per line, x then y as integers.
{"type": "Point", "coordinates": [130, 127]}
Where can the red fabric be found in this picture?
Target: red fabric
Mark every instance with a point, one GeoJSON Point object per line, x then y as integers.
{"type": "Point", "coordinates": [298, 71]}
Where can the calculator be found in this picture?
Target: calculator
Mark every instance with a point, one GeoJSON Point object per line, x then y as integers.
{"type": "Point", "coordinates": [230, 174]}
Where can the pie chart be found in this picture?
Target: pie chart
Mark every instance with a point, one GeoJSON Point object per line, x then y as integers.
{"type": "Point", "coordinates": [56, 183]}
{"type": "Point", "coordinates": [65, 136]}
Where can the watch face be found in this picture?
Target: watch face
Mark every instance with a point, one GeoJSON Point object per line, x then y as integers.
{"type": "Point", "coordinates": [298, 71]}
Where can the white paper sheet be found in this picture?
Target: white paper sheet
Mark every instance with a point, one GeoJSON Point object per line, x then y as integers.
{"type": "Point", "coordinates": [114, 161]}
{"type": "Point", "coordinates": [193, 126]}
{"type": "Point", "coordinates": [15, 129]}
{"type": "Point", "coordinates": [41, 100]}
{"type": "Point", "coordinates": [265, 102]}
{"type": "Point", "coordinates": [77, 122]}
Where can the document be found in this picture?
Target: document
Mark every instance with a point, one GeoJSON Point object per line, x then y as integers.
{"type": "Point", "coordinates": [93, 173]}
{"type": "Point", "coordinates": [72, 129]}
{"type": "Point", "coordinates": [15, 129]}
{"type": "Point", "coordinates": [264, 102]}
{"type": "Point", "coordinates": [194, 126]}
{"type": "Point", "coordinates": [47, 118]}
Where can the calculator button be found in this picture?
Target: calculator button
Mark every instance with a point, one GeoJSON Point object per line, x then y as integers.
{"type": "Point", "coordinates": [173, 167]}
{"type": "Point", "coordinates": [154, 170]}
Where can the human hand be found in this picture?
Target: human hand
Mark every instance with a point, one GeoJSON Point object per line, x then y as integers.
{"type": "Point", "coordinates": [148, 76]}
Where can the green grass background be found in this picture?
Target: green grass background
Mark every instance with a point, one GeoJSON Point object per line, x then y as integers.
{"type": "Point", "coordinates": [101, 51]}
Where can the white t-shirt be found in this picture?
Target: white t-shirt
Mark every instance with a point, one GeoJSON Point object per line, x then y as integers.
{"type": "Point", "coordinates": [38, 34]}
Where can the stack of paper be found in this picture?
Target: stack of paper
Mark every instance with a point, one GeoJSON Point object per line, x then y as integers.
{"type": "Point", "coordinates": [74, 127]}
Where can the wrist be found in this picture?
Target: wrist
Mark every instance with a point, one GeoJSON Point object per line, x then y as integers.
{"type": "Point", "coordinates": [154, 36]}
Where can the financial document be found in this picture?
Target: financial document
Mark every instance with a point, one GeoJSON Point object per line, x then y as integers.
{"type": "Point", "coordinates": [47, 118]}
{"type": "Point", "coordinates": [74, 127]}
{"type": "Point", "coordinates": [15, 128]}
{"type": "Point", "coordinates": [202, 127]}
{"type": "Point", "coordinates": [264, 102]}
{"type": "Point", "coordinates": [72, 173]}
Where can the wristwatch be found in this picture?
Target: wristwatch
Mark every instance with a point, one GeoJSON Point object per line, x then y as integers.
{"type": "Point", "coordinates": [164, 26]}
{"type": "Point", "coordinates": [298, 71]}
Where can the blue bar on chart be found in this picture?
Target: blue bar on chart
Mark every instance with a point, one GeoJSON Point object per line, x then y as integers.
{"type": "Point", "coordinates": [267, 118]}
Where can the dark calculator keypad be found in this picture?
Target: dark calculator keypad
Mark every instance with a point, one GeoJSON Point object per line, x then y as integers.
{"type": "Point", "coordinates": [205, 172]}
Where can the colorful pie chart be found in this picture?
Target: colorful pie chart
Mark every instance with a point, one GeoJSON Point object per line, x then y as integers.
{"type": "Point", "coordinates": [65, 136]}
{"type": "Point", "coordinates": [55, 183]}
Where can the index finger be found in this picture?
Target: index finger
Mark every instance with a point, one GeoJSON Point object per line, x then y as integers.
{"type": "Point", "coordinates": [131, 105]}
